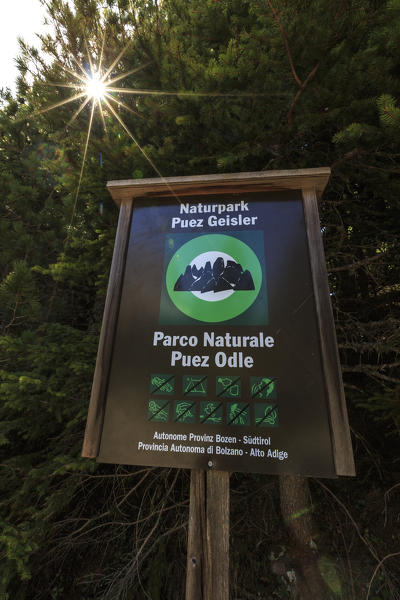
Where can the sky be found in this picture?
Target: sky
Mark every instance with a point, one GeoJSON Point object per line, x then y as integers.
{"type": "Point", "coordinates": [21, 18]}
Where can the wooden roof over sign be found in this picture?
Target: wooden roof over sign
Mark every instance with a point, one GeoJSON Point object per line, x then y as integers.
{"type": "Point", "coordinates": [226, 183]}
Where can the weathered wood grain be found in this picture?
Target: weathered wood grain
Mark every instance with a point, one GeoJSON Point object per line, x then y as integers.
{"type": "Point", "coordinates": [342, 449]}
{"type": "Point", "coordinates": [207, 576]}
{"type": "Point", "coordinates": [226, 183]}
{"type": "Point", "coordinates": [94, 424]}
{"type": "Point", "coordinates": [217, 536]}
{"type": "Point", "coordinates": [196, 536]}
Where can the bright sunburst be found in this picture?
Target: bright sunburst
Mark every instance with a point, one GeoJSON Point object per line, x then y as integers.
{"type": "Point", "coordinates": [96, 86]}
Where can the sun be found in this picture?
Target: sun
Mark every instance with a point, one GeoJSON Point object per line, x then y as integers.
{"type": "Point", "coordinates": [95, 87]}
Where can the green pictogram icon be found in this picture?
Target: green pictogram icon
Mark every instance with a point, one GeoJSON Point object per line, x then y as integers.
{"type": "Point", "coordinates": [238, 413]}
{"type": "Point", "coordinates": [211, 412]}
{"type": "Point", "coordinates": [194, 385]}
{"type": "Point", "coordinates": [185, 412]}
{"type": "Point", "coordinates": [229, 386]}
{"type": "Point", "coordinates": [158, 411]}
{"type": "Point", "coordinates": [263, 388]}
{"type": "Point", "coordinates": [162, 384]}
{"type": "Point", "coordinates": [266, 415]}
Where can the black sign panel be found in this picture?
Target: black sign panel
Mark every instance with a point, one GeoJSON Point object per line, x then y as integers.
{"type": "Point", "coordinates": [216, 360]}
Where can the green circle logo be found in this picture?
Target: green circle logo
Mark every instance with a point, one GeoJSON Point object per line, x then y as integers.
{"type": "Point", "coordinates": [214, 278]}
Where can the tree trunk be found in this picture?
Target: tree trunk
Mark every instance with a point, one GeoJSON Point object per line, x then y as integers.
{"type": "Point", "coordinates": [296, 511]}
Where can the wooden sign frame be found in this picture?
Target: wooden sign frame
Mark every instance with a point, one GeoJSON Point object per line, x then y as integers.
{"type": "Point", "coordinates": [311, 182]}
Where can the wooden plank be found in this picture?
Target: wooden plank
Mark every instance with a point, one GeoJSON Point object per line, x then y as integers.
{"type": "Point", "coordinates": [207, 575]}
{"type": "Point", "coordinates": [196, 536]}
{"type": "Point", "coordinates": [342, 449]}
{"type": "Point", "coordinates": [123, 190]}
{"type": "Point", "coordinates": [94, 424]}
{"type": "Point", "coordinates": [216, 583]}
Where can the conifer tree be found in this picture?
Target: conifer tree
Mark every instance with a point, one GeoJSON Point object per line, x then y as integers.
{"type": "Point", "coordinates": [265, 84]}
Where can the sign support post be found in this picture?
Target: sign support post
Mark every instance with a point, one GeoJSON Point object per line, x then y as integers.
{"type": "Point", "coordinates": [207, 572]}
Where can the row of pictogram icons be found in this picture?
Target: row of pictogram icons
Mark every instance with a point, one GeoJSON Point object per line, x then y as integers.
{"type": "Point", "coordinates": [226, 386]}
{"type": "Point", "coordinates": [260, 414]}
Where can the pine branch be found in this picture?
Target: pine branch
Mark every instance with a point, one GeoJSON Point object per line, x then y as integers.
{"type": "Point", "coordinates": [356, 265]}
{"type": "Point", "coordinates": [286, 41]}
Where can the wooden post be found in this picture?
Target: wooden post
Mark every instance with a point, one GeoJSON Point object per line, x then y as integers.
{"type": "Point", "coordinates": [196, 536]}
{"type": "Point", "coordinates": [207, 575]}
{"type": "Point", "coordinates": [341, 441]}
{"type": "Point", "coordinates": [94, 423]}
{"type": "Point", "coordinates": [217, 535]}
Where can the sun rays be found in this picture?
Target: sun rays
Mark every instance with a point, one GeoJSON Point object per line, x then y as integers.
{"type": "Point", "coordinates": [95, 85]}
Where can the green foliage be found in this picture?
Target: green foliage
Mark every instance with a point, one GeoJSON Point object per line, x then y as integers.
{"type": "Point", "coordinates": [389, 113]}
{"type": "Point", "coordinates": [330, 575]}
{"type": "Point", "coordinates": [18, 295]}
{"type": "Point", "coordinates": [303, 85]}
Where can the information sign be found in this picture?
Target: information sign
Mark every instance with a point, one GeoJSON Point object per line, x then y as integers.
{"type": "Point", "coordinates": [217, 360]}
{"type": "Point", "coordinates": [217, 347]}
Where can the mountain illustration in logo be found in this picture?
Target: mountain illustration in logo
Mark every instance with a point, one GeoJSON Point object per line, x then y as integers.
{"type": "Point", "coordinates": [216, 278]}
